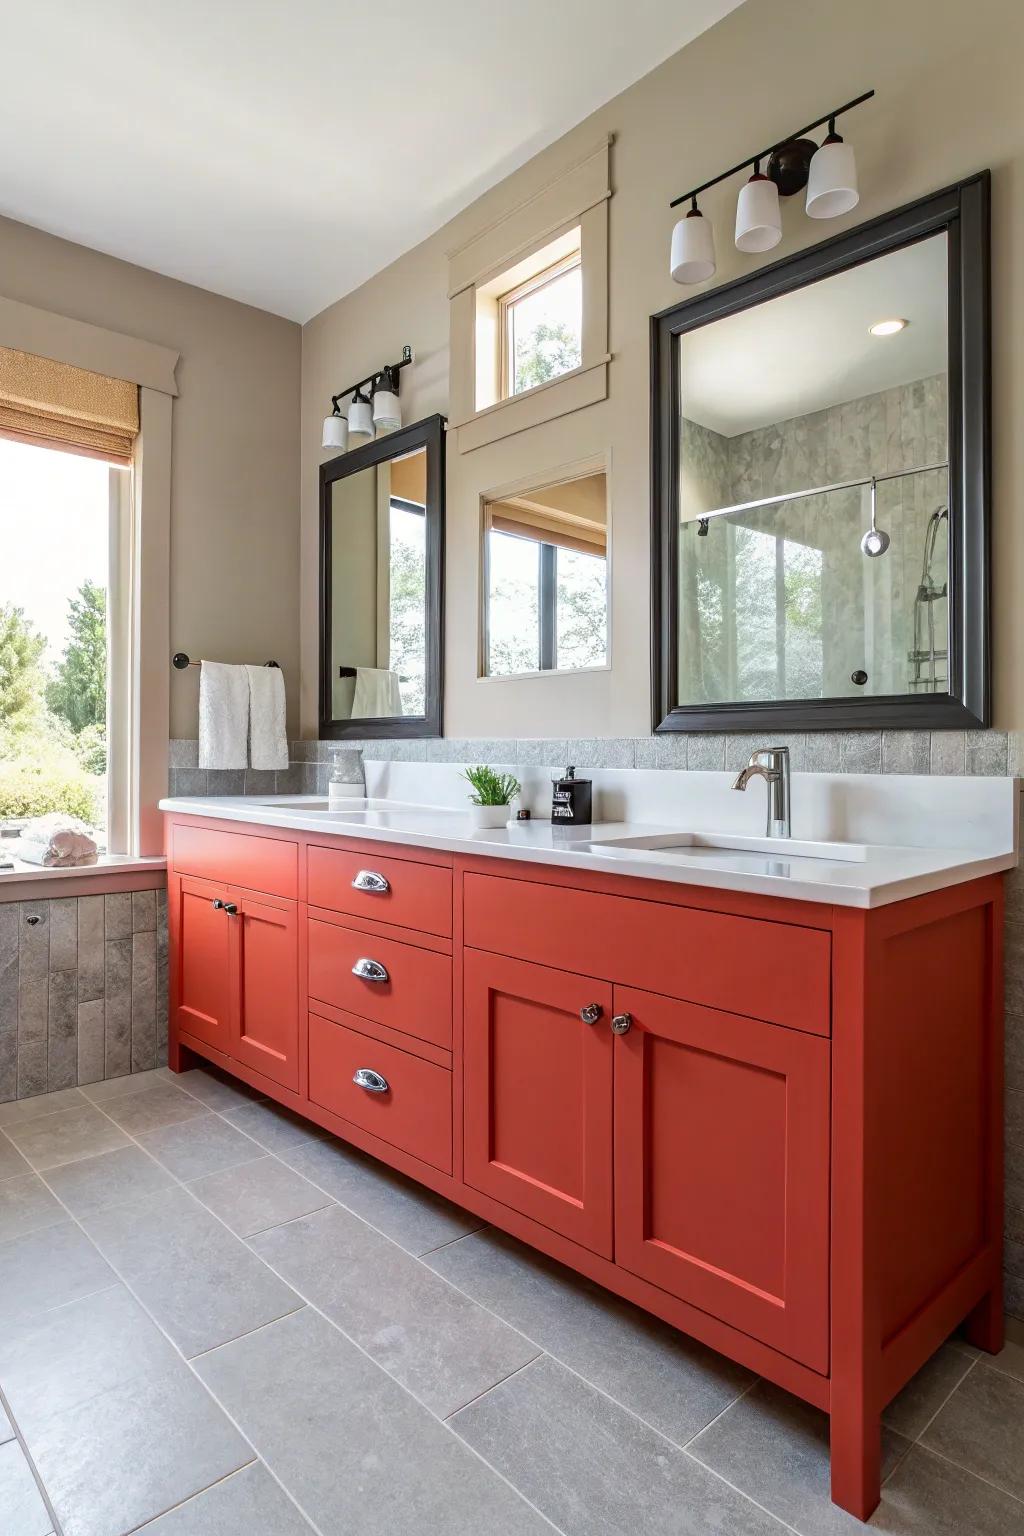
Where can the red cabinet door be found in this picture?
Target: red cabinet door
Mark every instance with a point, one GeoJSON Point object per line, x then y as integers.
{"type": "Point", "coordinates": [265, 969]}
{"type": "Point", "coordinates": [202, 959]}
{"type": "Point", "coordinates": [722, 1167]}
{"type": "Point", "coordinates": [538, 1094]}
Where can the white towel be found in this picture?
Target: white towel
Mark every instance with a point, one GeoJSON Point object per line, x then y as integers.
{"type": "Point", "coordinates": [268, 739]}
{"type": "Point", "coordinates": [377, 694]}
{"type": "Point", "coordinates": [223, 715]}
{"type": "Point", "coordinates": [56, 841]}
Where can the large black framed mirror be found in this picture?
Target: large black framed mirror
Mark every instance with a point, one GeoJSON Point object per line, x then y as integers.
{"type": "Point", "coordinates": [381, 586]}
{"type": "Point", "coordinates": [820, 484]}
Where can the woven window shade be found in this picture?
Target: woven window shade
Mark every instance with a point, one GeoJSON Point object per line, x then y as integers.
{"type": "Point", "coordinates": [572, 515]}
{"type": "Point", "coordinates": [56, 405]}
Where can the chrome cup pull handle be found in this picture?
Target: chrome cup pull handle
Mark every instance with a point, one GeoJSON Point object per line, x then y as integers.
{"type": "Point", "coordinates": [591, 1013]}
{"type": "Point", "coordinates": [370, 970]}
{"type": "Point", "coordinates": [370, 880]}
{"type": "Point", "coordinates": [367, 1078]}
{"type": "Point", "coordinates": [622, 1023]}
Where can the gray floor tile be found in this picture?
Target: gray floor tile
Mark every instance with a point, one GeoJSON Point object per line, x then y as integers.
{"type": "Point", "coordinates": [1010, 1361]}
{"type": "Point", "coordinates": [21, 1111]}
{"type": "Point", "coordinates": [439, 1344]}
{"type": "Point", "coordinates": [593, 1468]}
{"type": "Point", "coordinates": [48, 1269]}
{"type": "Point", "coordinates": [248, 1503]}
{"type": "Point", "coordinates": [258, 1195]}
{"type": "Point", "coordinates": [981, 1428]}
{"type": "Point", "coordinates": [94, 1183]}
{"type": "Point", "coordinates": [26, 1205]}
{"type": "Point", "coordinates": [216, 1089]}
{"type": "Point", "coordinates": [56, 1360]}
{"type": "Point", "coordinates": [200, 1146]}
{"type": "Point", "coordinates": [133, 1452]}
{"type": "Point", "coordinates": [413, 1217]}
{"type": "Point", "coordinates": [927, 1496]}
{"type": "Point", "coordinates": [922, 1397]}
{"type": "Point", "coordinates": [63, 1138]}
{"type": "Point", "coordinates": [671, 1381]}
{"type": "Point", "coordinates": [152, 1108]}
{"type": "Point", "coordinates": [273, 1126]}
{"type": "Point", "coordinates": [21, 1504]}
{"type": "Point", "coordinates": [112, 1088]}
{"type": "Point", "coordinates": [775, 1449]}
{"type": "Point", "coordinates": [12, 1164]}
{"type": "Point", "coordinates": [200, 1283]}
{"type": "Point", "coordinates": [354, 1449]}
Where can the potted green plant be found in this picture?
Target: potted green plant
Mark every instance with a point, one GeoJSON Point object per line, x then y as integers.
{"type": "Point", "coordinates": [493, 793]}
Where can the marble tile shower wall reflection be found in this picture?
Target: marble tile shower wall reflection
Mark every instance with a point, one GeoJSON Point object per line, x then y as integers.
{"type": "Point", "coordinates": [841, 611]}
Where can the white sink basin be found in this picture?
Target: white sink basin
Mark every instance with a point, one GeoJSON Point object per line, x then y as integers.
{"type": "Point", "coordinates": [711, 845]}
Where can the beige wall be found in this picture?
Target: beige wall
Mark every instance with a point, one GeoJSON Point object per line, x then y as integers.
{"type": "Point", "coordinates": [235, 462]}
{"type": "Point", "coordinates": [949, 103]}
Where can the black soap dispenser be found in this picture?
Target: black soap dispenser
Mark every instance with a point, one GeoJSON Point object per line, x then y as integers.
{"type": "Point", "coordinates": [570, 800]}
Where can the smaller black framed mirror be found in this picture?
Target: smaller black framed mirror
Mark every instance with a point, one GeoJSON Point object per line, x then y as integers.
{"type": "Point", "coordinates": [382, 586]}
{"type": "Point", "coordinates": [820, 484]}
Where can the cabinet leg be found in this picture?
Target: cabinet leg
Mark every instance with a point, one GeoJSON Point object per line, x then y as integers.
{"type": "Point", "coordinates": [179, 1057]}
{"type": "Point", "coordinates": [856, 1456]}
{"type": "Point", "coordinates": [984, 1326]}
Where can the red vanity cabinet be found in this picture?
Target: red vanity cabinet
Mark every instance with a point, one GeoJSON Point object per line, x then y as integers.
{"type": "Point", "coordinates": [776, 1125]}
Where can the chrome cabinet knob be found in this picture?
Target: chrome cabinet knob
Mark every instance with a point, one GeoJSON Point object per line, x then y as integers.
{"type": "Point", "coordinates": [370, 880]}
{"type": "Point", "coordinates": [217, 904]}
{"type": "Point", "coordinates": [591, 1013]}
{"type": "Point", "coordinates": [370, 970]}
{"type": "Point", "coordinates": [622, 1023]}
{"type": "Point", "coordinates": [372, 1081]}
{"type": "Point", "coordinates": [231, 908]}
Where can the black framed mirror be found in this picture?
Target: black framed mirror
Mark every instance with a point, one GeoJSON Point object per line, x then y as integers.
{"type": "Point", "coordinates": [820, 484]}
{"type": "Point", "coordinates": [381, 586]}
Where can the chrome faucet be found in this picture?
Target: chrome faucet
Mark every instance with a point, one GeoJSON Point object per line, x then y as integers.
{"type": "Point", "coordinates": [772, 765]}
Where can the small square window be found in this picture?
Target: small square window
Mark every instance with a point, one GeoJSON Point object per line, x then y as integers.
{"type": "Point", "coordinates": [541, 325]}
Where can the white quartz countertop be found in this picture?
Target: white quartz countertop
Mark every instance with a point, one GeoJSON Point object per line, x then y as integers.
{"type": "Point", "coordinates": [879, 872]}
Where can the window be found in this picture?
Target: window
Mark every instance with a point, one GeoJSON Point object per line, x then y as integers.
{"type": "Point", "coordinates": [540, 324]}
{"type": "Point", "coordinates": [60, 517]}
{"type": "Point", "coordinates": [546, 589]}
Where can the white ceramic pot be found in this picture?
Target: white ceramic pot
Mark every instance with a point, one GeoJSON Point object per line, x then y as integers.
{"type": "Point", "coordinates": [489, 815]}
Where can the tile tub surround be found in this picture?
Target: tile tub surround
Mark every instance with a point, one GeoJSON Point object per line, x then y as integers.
{"type": "Point", "coordinates": [508, 1394]}
{"type": "Point", "coordinates": [83, 990]}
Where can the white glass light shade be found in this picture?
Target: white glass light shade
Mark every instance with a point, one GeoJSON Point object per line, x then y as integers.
{"type": "Point", "coordinates": [335, 432]}
{"type": "Point", "coordinates": [693, 249]}
{"type": "Point", "coordinates": [360, 418]}
{"type": "Point", "coordinates": [387, 413]}
{"type": "Point", "coordinates": [832, 180]}
{"type": "Point", "coordinates": [758, 219]}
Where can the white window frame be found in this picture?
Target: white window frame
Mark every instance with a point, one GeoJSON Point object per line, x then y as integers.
{"type": "Point", "coordinates": [506, 310]}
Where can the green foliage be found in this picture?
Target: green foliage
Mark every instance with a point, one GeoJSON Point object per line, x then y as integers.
{"type": "Point", "coordinates": [544, 353]}
{"type": "Point", "coordinates": [90, 748]}
{"type": "Point", "coordinates": [78, 690]}
{"type": "Point", "coordinates": [491, 788]}
{"type": "Point", "coordinates": [33, 789]}
{"type": "Point", "coordinates": [21, 650]}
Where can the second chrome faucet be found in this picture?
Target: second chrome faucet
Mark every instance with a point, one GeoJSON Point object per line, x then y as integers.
{"type": "Point", "coordinates": [772, 765]}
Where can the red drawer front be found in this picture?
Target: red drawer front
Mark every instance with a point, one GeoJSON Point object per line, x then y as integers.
{"type": "Point", "coordinates": [774, 971]}
{"type": "Point", "coordinates": [416, 998]}
{"type": "Point", "coordinates": [236, 858]}
{"type": "Point", "coordinates": [417, 895]}
{"type": "Point", "coordinates": [415, 1111]}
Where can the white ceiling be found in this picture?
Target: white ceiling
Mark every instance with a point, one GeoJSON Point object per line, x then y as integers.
{"type": "Point", "coordinates": [283, 153]}
{"type": "Point", "coordinates": [812, 348]}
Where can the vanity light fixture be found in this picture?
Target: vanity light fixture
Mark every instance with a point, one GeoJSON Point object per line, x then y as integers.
{"type": "Point", "coordinates": [828, 171]}
{"type": "Point", "coordinates": [373, 405]}
{"type": "Point", "coordinates": [693, 248]}
{"type": "Point", "coordinates": [758, 217]}
{"type": "Point", "coordinates": [888, 327]}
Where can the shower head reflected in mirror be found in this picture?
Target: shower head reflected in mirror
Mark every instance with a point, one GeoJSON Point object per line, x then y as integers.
{"type": "Point", "coordinates": [876, 541]}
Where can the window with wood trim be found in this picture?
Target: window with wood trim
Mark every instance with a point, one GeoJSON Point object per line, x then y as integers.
{"type": "Point", "coordinates": [540, 324]}
{"type": "Point", "coordinates": [546, 579]}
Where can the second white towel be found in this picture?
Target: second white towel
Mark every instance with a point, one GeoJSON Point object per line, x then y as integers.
{"type": "Point", "coordinates": [268, 737]}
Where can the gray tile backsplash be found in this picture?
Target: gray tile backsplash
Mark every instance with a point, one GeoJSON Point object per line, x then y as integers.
{"type": "Point", "coordinates": [83, 990]}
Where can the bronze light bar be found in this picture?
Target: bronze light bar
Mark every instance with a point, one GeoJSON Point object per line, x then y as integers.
{"type": "Point", "coordinates": [788, 160]}
{"type": "Point", "coordinates": [371, 378]}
